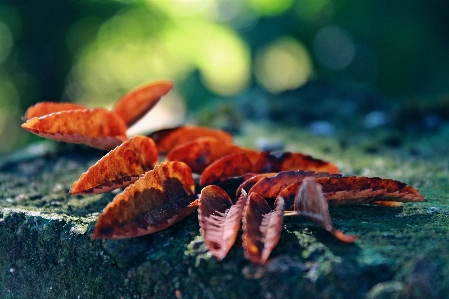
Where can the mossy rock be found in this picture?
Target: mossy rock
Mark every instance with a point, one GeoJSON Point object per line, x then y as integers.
{"type": "Point", "coordinates": [46, 250]}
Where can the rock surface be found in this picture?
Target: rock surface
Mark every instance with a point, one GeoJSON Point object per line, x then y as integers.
{"type": "Point", "coordinates": [46, 250]}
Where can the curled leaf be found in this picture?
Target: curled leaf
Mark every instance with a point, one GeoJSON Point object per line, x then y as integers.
{"type": "Point", "coordinates": [275, 162]}
{"type": "Point", "coordinates": [262, 227]}
{"type": "Point", "coordinates": [225, 168]}
{"type": "Point", "coordinates": [44, 108]}
{"type": "Point", "coordinates": [119, 168]}
{"type": "Point", "coordinates": [168, 139]}
{"type": "Point", "coordinates": [133, 105]}
{"type": "Point", "coordinates": [202, 152]}
{"type": "Point", "coordinates": [270, 186]}
{"type": "Point", "coordinates": [97, 127]}
{"type": "Point", "coordinates": [219, 219]}
{"type": "Point", "coordinates": [310, 203]}
{"type": "Point", "coordinates": [157, 200]}
{"type": "Point", "coordinates": [358, 190]}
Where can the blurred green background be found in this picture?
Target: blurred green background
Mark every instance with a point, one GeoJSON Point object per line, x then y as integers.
{"type": "Point", "coordinates": [92, 52]}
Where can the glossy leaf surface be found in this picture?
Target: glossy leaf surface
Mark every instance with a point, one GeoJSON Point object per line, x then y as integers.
{"type": "Point", "coordinates": [136, 103]}
{"type": "Point", "coordinates": [262, 228]}
{"type": "Point", "coordinates": [119, 168]}
{"type": "Point", "coordinates": [202, 152]}
{"type": "Point", "coordinates": [219, 219]}
{"type": "Point", "coordinates": [97, 127]}
{"type": "Point", "coordinates": [225, 168]}
{"type": "Point", "coordinates": [275, 162]}
{"type": "Point", "coordinates": [168, 139]}
{"type": "Point", "coordinates": [357, 190]}
{"type": "Point", "coordinates": [157, 200]}
{"type": "Point", "coordinates": [44, 108]}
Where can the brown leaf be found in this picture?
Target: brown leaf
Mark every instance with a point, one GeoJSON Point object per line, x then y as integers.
{"type": "Point", "coordinates": [310, 203]}
{"type": "Point", "coordinates": [358, 190]}
{"type": "Point", "coordinates": [275, 162]}
{"type": "Point", "coordinates": [168, 139]}
{"type": "Point", "coordinates": [262, 228]}
{"type": "Point", "coordinates": [157, 200]}
{"type": "Point", "coordinates": [219, 219]}
{"type": "Point", "coordinates": [225, 168]}
{"type": "Point", "coordinates": [97, 127]}
{"type": "Point", "coordinates": [136, 103]}
{"type": "Point", "coordinates": [202, 152]}
{"type": "Point", "coordinates": [44, 108]}
{"type": "Point", "coordinates": [119, 168]}
{"type": "Point", "coordinates": [270, 186]}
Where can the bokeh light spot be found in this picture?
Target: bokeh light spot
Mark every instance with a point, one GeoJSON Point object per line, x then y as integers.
{"type": "Point", "coordinates": [6, 41]}
{"type": "Point", "coordinates": [334, 48]}
{"type": "Point", "coordinates": [285, 64]}
{"type": "Point", "coordinates": [224, 61]}
{"type": "Point", "coordinates": [271, 7]}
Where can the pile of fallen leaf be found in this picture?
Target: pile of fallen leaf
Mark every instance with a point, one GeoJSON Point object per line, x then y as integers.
{"type": "Point", "coordinates": [159, 195]}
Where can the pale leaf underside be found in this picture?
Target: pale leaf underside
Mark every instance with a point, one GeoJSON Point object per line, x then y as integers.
{"type": "Point", "coordinates": [219, 219]}
{"type": "Point", "coordinates": [310, 203]}
{"type": "Point", "coordinates": [262, 228]}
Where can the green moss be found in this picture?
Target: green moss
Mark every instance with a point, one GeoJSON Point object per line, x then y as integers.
{"type": "Point", "coordinates": [400, 252]}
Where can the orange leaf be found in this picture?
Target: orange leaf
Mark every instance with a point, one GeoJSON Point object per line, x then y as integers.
{"type": "Point", "coordinates": [357, 190]}
{"type": "Point", "coordinates": [168, 139]}
{"type": "Point", "coordinates": [136, 103]}
{"type": "Point", "coordinates": [275, 162]}
{"type": "Point", "coordinates": [225, 168]}
{"type": "Point", "coordinates": [119, 168]}
{"type": "Point", "coordinates": [202, 152]}
{"type": "Point", "coordinates": [44, 108]}
{"type": "Point", "coordinates": [269, 187]}
{"type": "Point", "coordinates": [219, 219]}
{"type": "Point", "coordinates": [310, 203]}
{"type": "Point", "coordinates": [97, 127]}
{"type": "Point", "coordinates": [262, 228]}
{"type": "Point", "coordinates": [157, 200]}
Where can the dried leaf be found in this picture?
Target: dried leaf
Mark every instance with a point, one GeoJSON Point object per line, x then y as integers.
{"type": "Point", "coordinates": [310, 203]}
{"type": "Point", "coordinates": [225, 168]}
{"type": "Point", "coordinates": [358, 190]}
{"type": "Point", "coordinates": [262, 228]}
{"type": "Point", "coordinates": [219, 219]}
{"type": "Point", "coordinates": [136, 103]}
{"type": "Point", "coordinates": [44, 108]}
{"type": "Point", "coordinates": [119, 168]}
{"type": "Point", "coordinates": [157, 200]}
{"type": "Point", "coordinates": [202, 152]}
{"type": "Point", "coordinates": [97, 127]}
{"type": "Point", "coordinates": [168, 139]}
{"type": "Point", "coordinates": [275, 162]}
{"type": "Point", "coordinates": [270, 186]}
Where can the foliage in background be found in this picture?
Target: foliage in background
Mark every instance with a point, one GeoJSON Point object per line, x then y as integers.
{"type": "Point", "coordinates": [91, 52]}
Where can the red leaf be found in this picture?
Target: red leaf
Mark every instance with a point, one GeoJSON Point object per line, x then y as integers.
{"type": "Point", "coordinates": [202, 152]}
{"type": "Point", "coordinates": [44, 108]}
{"type": "Point", "coordinates": [310, 203]}
{"type": "Point", "coordinates": [269, 187]}
{"type": "Point", "coordinates": [219, 219]}
{"type": "Point", "coordinates": [262, 228]}
{"type": "Point", "coordinates": [157, 200]}
{"type": "Point", "coordinates": [275, 162]}
{"type": "Point", "coordinates": [168, 139]}
{"type": "Point", "coordinates": [358, 190]}
{"type": "Point", "coordinates": [136, 103]}
{"type": "Point", "coordinates": [119, 168]}
{"type": "Point", "coordinates": [225, 168]}
{"type": "Point", "coordinates": [97, 127]}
